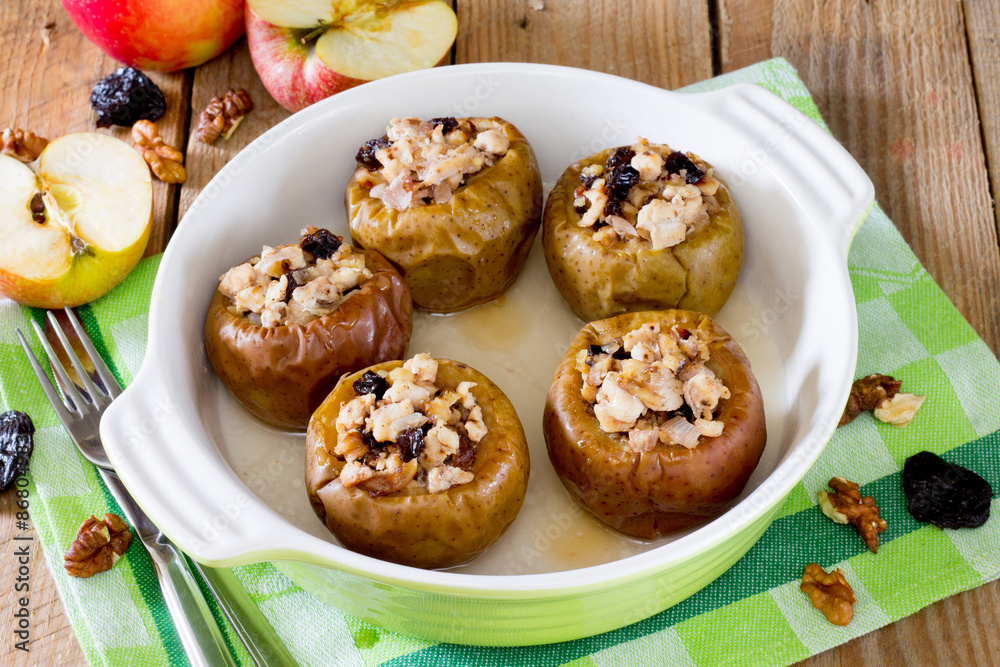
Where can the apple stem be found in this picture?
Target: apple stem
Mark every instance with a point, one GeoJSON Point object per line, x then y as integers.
{"type": "Point", "coordinates": [315, 34]}
{"type": "Point", "coordinates": [77, 245]}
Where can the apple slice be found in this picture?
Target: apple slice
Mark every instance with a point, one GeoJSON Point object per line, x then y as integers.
{"type": "Point", "coordinates": [74, 230]}
{"type": "Point", "coordinates": [360, 40]}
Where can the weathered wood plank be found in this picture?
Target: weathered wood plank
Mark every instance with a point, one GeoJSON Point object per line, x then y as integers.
{"type": "Point", "coordinates": [232, 69]}
{"type": "Point", "coordinates": [982, 20]}
{"type": "Point", "coordinates": [663, 43]}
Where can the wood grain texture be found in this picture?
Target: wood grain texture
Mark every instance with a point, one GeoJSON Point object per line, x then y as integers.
{"type": "Point", "coordinates": [982, 23]}
{"type": "Point", "coordinates": [894, 82]}
{"type": "Point", "coordinates": [46, 89]}
{"type": "Point", "coordinates": [232, 69]}
{"type": "Point", "coordinates": [744, 32]}
{"type": "Point", "coordinates": [663, 43]}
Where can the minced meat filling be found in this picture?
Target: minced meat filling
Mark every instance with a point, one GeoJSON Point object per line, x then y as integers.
{"type": "Point", "coordinates": [654, 386]}
{"type": "Point", "coordinates": [646, 192]}
{"type": "Point", "coordinates": [423, 162]}
{"type": "Point", "coordinates": [402, 429]}
{"type": "Point", "coordinates": [295, 284]}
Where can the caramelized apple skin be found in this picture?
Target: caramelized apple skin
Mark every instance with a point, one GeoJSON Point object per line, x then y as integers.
{"type": "Point", "coordinates": [655, 493]}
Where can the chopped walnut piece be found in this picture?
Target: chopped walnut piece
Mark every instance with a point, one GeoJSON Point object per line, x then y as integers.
{"type": "Point", "coordinates": [900, 409]}
{"type": "Point", "coordinates": [98, 545]}
{"type": "Point", "coordinates": [21, 145]}
{"type": "Point", "coordinates": [869, 393]}
{"type": "Point", "coordinates": [846, 505]}
{"type": "Point", "coordinates": [223, 115]}
{"type": "Point", "coordinates": [829, 592]}
{"type": "Point", "coordinates": [164, 161]}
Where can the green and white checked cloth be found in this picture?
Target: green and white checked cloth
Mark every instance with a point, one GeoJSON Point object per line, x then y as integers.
{"type": "Point", "coordinates": [753, 614]}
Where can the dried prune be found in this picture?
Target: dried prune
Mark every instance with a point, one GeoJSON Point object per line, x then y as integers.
{"type": "Point", "coordinates": [411, 442]}
{"type": "Point", "coordinates": [371, 383]}
{"type": "Point", "coordinates": [621, 176]}
{"type": "Point", "coordinates": [448, 122]}
{"type": "Point", "coordinates": [321, 243]}
{"type": "Point", "coordinates": [369, 439]}
{"type": "Point", "coordinates": [945, 494]}
{"type": "Point", "coordinates": [613, 207]}
{"type": "Point", "coordinates": [677, 162]}
{"type": "Point", "coordinates": [125, 96]}
{"type": "Point", "coordinates": [466, 454]}
{"type": "Point", "coordinates": [366, 154]}
{"type": "Point", "coordinates": [16, 443]}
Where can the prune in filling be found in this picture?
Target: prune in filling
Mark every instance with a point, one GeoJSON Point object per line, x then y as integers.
{"type": "Point", "coordinates": [366, 154]}
{"type": "Point", "coordinates": [466, 455]}
{"type": "Point", "coordinates": [449, 123]}
{"type": "Point", "coordinates": [621, 175]}
{"type": "Point", "coordinates": [321, 243]}
{"type": "Point", "coordinates": [126, 96]}
{"type": "Point", "coordinates": [411, 442]}
{"type": "Point", "coordinates": [677, 162]}
{"type": "Point", "coordinates": [371, 383]}
{"type": "Point", "coordinates": [945, 494]}
{"type": "Point", "coordinates": [16, 444]}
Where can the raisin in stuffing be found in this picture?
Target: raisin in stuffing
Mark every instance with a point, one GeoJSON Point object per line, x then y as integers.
{"type": "Point", "coordinates": [321, 243]}
{"type": "Point", "coordinates": [16, 444]}
{"type": "Point", "coordinates": [945, 494]}
{"type": "Point", "coordinates": [620, 174]}
{"type": "Point", "coordinates": [677, 162]}
{"type": "Point", "coordinates": [126, 96]}
{"type": "Point", "coordinates": [466, 454]}
{"type": "Point", "coordinates": [448, 122]}
{"type": "Point", "coordinates": [411, 442]}
{"type": "Point", "coordinates": [371, 383]}
{"type": "Point", "coordinates": [613, 208]}
{"type": "Point", "coordinates": [366, 154]}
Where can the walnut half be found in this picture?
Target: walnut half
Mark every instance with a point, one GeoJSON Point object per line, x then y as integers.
{"type": "Point", "coordinates": [880, 394]}
{"type": "Point", "coordinates": [846, 505]}
{"type": "Point", "coordinates": [829, 592]}
{"type": "Point", "coordinates": [165, 162]}
{"type": "Point", "coordinates": [98, 545]}
{"type": "Point", "coordinates": [21, 145]}
{"type": "Point", "coordinates": [223, 115]}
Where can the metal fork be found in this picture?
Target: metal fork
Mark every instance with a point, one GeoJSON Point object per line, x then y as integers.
{"type": "Point", "coordinates": [196, 628]}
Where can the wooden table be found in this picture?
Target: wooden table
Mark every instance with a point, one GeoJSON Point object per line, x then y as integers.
{"type": "Point", "coordinates": [911, 88]}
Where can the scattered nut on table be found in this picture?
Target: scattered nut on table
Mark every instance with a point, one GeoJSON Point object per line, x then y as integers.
{"type": "Point", "coordinates": [880, 394]}
{"type": "Point", "coordinates": [165, 162]}
{"type": "Point", "coordinates": [223, 115]}
{"type": "Point", "coordinates": [98, 546]}
{"type": "Point", "coordinates": [829, 592]}
{"type": "Point", "coordinates": [21, 145]}
{"type": "Point", "coordinates": [846, 505]}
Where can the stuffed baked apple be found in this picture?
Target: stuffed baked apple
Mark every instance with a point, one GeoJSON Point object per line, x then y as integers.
{"type": "Point", "coordinates": [422, 463]}
{"type": "Point", "coordinates": [284, 326]}
{"type": "Point", "coordinates": [454, 203]}
{"type": "Point", "coordinates": [654, 421]}
{"type": "Point", "coordinates": [642, 227]}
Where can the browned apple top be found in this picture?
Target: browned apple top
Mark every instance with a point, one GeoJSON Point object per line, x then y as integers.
{"type": "Point", "coordinates": [648, 194]}
{"type": "Point", "coordinates": [423, 162]}
{"type": "Point", "coordinates": [654, 386]}
{"type": "Point", "coordinates": [295, 283]}
{"type": "Point", "coordinates": [402, 429]}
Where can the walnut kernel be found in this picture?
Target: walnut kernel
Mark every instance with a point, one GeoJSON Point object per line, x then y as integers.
{"type": "Point", "coordinates": [98, 546]}
{"type": "Point", "coordinates": [223, 115]}
{"type": "Point", "coordinates": [829, 592]}
{"type": "Point", "coordinates": [165, 162]}
{"type": "Point", "coordinates": [899, 410]}
{"type": "Point", "coordinates": [21, 145]}
{"type": "Point", "coordinates": [846, 505]}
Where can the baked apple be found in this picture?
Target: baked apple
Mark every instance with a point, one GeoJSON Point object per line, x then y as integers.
{"type": "Point", "coordinates": [454, 203]}
{"type": "Point", "coordinates": [654, 421]}
{"type": "Point", "coordinates": [284, 326]}
{"type": "Point", "coordinates": [642, 227]}
{"type": "Point", "coordinates": [422, 462]}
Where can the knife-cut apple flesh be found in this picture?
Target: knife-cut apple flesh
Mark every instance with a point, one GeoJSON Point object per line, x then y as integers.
{"type": "Point", "coordinates": [77, 227]}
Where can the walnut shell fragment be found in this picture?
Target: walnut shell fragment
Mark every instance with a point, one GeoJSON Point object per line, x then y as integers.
{"type": "Point", "coordinates": [98, 546]}
{"type": "Point", "coordinates": [846, 505]}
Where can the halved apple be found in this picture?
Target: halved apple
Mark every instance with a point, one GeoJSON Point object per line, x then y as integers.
{"type": "Point", "coordinates": [77, 227]}
{"type": "Point", "coordinates": [305, 51]}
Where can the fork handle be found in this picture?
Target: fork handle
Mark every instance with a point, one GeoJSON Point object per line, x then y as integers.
{"type": "Point", "coordinates": [196, 627]}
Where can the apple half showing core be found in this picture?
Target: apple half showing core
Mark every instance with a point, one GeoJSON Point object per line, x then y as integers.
{"type": "Point", "coordinates": [309, 50]}
{"type": "Point", "coordinates": [77, 227]}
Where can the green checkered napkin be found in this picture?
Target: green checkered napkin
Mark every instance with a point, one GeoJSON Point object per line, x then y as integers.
{"type": "Point", "coordinates": [753, 614]}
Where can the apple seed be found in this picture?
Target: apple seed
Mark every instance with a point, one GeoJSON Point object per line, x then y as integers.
{"type": "Point", "coordinates": [37, 207]}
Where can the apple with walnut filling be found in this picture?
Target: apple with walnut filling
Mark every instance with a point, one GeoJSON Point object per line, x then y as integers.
{"type": "Point", "coordinates": [422, 462]}
{"type": "Point", "coordinates": [654, 421]}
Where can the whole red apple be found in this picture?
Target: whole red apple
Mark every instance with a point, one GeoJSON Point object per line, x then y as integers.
{"type": "Point", "coordinates": [161, 35]}
{"type": "Point", "coordinates": [306, 51]}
